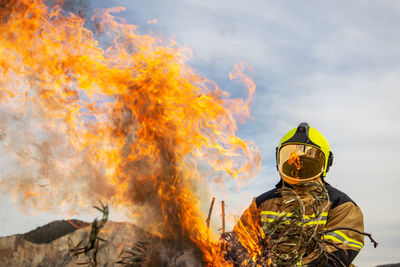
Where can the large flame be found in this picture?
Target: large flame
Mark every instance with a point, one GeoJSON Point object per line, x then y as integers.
{"type": "Point", "coordinates": [123, 120]}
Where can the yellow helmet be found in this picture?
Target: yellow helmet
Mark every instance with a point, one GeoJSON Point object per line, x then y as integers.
{"type": "Point", "coordinates": [303, 155]}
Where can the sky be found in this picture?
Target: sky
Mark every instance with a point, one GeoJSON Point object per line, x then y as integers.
{"type": "Point", "coordinates": [333, 64]}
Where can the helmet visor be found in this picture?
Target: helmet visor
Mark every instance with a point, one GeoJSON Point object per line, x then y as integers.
{"type": "Point", "coordinates": [301, 162]}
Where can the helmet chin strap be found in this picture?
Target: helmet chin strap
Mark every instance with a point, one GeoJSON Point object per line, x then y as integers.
{"type": "Point", "coordinates": [292, 180]}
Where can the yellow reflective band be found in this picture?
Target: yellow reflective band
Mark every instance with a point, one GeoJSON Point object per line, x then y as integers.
{"type": "Point", "coordinates": [299, 223]}
{"type": "Point", "coordinates": [270, 216]}
{"type": "Point", "coordinates": [316, 222]}
{"type": "Point", "coordinates": [267, 212]}
{"type": "Point", "coordinates": [267, 220]}
{"type": "Point", "coordinates": [280, 214]}
{"type": "Point", "coordinates": [289, 214]}
{"type": "Point", "coordinates": [323, 214]}
{"type": "Point", "coordinates": [340, 237]}
{"type": "Point", "coordinates": [348, 238]}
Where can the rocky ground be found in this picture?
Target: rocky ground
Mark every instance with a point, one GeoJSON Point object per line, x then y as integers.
{"type": "Point", "coordinates": [48, 245]}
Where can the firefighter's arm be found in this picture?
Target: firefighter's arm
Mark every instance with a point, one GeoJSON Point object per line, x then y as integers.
{"type": "Point", "coordinates": [347, 242]}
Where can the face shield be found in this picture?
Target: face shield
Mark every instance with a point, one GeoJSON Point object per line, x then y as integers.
{"type": "Point", "coordinates": [300, 163]}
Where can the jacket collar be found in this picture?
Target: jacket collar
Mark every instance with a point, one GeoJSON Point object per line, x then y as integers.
{"type": "Point", "coordinates": [281, 182]}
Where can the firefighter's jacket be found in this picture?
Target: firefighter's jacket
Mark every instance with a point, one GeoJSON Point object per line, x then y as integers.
{"type": "Point", "coordinates": [340, 211]}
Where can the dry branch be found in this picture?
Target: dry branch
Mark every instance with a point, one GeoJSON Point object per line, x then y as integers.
{"type": "Point", "coordinates": [92, 245]}
{"type": "Point", "coordinates": [210, 212]}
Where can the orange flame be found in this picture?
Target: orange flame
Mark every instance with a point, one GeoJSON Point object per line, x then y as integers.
{"type": "Point", "coordinates": [126, 123]}
{"type": "Point", "coordinates": [294, 159]}
{"type": "Point", "coordinates": [250, 233]}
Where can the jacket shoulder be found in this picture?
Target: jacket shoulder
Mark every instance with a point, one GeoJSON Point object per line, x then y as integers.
{"type": "Point", "coordinates": [337, 197]}
{"type": "Point", "coordinates": [267, 196]}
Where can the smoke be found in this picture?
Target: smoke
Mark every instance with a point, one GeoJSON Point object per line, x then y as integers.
{"type": "Point", "coordinates": [78, 7]}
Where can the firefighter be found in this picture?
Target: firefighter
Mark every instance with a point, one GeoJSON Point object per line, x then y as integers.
{"type": "Point", "coordinates": [303, 158]}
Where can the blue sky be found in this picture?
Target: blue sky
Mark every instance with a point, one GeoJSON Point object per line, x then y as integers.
{"type": "Point", "coordinates": [334, 64]}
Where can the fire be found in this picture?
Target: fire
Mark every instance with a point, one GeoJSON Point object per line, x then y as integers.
{"type": "Point", "coordinates": [123, 120]}
{"type": "Point", "coordinates": [249, 236]}
{"type": "Point", "coordinates": [294, 159]}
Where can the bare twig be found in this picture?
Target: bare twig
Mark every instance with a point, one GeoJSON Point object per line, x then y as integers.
{"type": "Point", "coordinates": [134, 256]}
{"type": "Point", "coordinates": [351, 229]}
